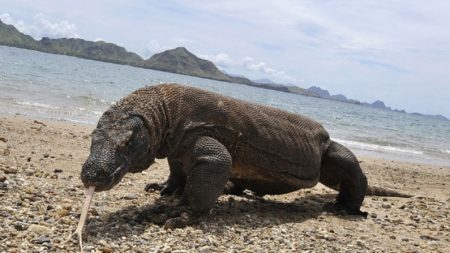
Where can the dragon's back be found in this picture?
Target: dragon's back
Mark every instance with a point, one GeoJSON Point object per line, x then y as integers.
{"type": "Point", "coordinates": [264, 132]}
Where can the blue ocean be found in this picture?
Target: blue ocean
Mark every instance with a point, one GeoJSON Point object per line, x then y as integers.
{"type": "Point", "coordinates": [58, 87]}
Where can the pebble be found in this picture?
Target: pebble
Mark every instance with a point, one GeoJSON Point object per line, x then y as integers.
{"type": "Point", "coordinates": [2, 178]}
{"type": "Point", "coordinates": [29, 190]}
{"type": "Point", "coordinates": [29, 172]}
{"type": "Point", "coordinates": [41, 240]}
{"type": "Point", "coordinates": [130, 196]}
{"type": "Point", "coordinates": [359, 243]}
{"type": "Point", "coordinates": [66, 220]}
{"type": "Point", "coordinates": [20, 226]}
{"type": "Point", "coordinates": [386, 206]}
{"type": "Point", "coordinates": [3, 185]}
{"type": "Point", "coordinates": [4, 148]}
{"type": "Point", "coordinates": [106, 249]}
{"type": "Point", "coordinates": [57, 170]}
{"type": "Point", "coordinates": [10, 170]}
{"type": "Point", "coordinates": [62, 212]}
{"type": "Point", "coordinates": [46, 155]}
{"type": "Point", "coordinates": [103, 243]}
{"type": "Point", "coordinates": [204, 249]}
{"type": "Point", "coordinates": [39, 229]}
{"type": "Point", "coordinates": [427, 237]}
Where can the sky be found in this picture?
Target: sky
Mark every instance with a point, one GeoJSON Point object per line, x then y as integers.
{"type": "Point", "coordinates": [394, 51]}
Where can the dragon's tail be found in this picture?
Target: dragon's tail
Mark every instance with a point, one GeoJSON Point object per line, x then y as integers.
{"type": "Point", "coordinates": [379, 191]}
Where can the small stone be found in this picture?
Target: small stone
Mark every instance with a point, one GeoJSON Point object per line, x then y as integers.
{"type": "Point", "coordinates": [405, 239]}
{"type": "Point", "coordinates": [4, 150]}
{"type": "Point", "coordinates": [29, 172]}
{"type": "Point", "coordinates": [392, 237]}
{"type": "Point", "coordinates": [2, 178]}
{"type": "Point", "coordinates": [62, 212]}
{"type": "Point", "coordinates": [41, 239]}
{"type": "Point", "coordinates": [3, 186]}
{"type": "Point", "coordinates": [373, 215]}
{"type": "Point", "coordinates": [103, 243]}
{"type": "Point", "coordinates": [29, 190]}
{"type": "Point", "coordinates": [130, 196]}
{"type": "Point", "coordinates": [204, 249]}
{"type": "Point", "coordinates": [386, 206]}
{"type": "Point", "coordinates": [20, 226]}
{"type": "Point", "coordinates": [46, 155]}
{"type": "Point", "coordinates": [67, 206]}
{"type": "Point", "coordinates": [359, 243]}
{"type": "Point", "coordinates": [106, 249]}
{"type": "Point", "coordinates": [39, 229]}
{"type": "Point", "coordinates": [65, 220]}
{"type": "Point", "coordinates": [10, 170]}
{"type": "Point", "coordinates": [427, 237]}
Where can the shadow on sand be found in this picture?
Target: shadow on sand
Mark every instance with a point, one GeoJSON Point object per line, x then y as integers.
{"type": "Point", "coordinates": [249, 212]}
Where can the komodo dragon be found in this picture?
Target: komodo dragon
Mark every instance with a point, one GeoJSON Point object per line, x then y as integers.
{"type": "Point", "coordinates": [215, 143]}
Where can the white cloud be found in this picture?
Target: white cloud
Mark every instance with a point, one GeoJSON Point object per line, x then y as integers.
{"type": "Point", "coordinates": [224, 61]}
{"type": "Point", "coordinates": [42, 27]}
{"type": "Point", "coordinates": [154, 47]}
{"type": "Point", "coordinates": [6, 18]}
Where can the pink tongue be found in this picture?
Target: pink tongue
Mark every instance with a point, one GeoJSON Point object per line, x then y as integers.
{"type": "Point", "coordinates": [84, 213]}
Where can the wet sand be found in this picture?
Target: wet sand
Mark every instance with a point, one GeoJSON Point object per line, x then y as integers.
{"type": "Point", "coordinates": [41, 198]}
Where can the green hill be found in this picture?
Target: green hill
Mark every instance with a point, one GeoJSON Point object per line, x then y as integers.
{"type": "Point", "coordinates": [10, 36]}
{"type": "Point", "coordinates": [181, 61]}
{"type": "Point", "coordinates": [100, 51]}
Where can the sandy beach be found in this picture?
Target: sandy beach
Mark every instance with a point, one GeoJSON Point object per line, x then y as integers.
{"type": "Point", "coordinates": [41, 198]}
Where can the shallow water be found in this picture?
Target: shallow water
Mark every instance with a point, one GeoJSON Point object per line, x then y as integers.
{"type": "Point", "coordinates": [78, 90]}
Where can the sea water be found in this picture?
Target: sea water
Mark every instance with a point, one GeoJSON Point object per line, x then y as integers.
{"type": "Point", "coordinates": [66, 88]}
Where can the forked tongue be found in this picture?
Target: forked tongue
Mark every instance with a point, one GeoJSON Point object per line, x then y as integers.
{"type": "Point", "coordinates": [84, 213]}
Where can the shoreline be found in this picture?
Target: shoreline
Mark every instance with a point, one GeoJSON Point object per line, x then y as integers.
{"type": "Point", "coordinates": [41, 196]}
{"type": "Point", "coordinates": [374, 152]}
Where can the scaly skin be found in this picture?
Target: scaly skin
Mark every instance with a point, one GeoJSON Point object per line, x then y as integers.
{"type": "Point", "coordinates": [217, 144]}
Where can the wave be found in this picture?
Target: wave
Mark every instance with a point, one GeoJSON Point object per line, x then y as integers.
{"type": "Point", "coordinates": [446, 151]}
{"type": "Point", "coordinates": [35, 104]}
{"type": "Point", "coordinates": [380, 148]}
{"type": "Point", "coordinates": [90, 100]}
{"type": "Point", "coordinates": [86, 122]}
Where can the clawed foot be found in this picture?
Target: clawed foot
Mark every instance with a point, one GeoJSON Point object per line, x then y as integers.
{"type": "Point", "coordinates": [169, 217]}
{"type": "Point", "coordinates": [339, 208]}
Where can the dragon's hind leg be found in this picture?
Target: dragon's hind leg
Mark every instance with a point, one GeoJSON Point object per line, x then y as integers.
{"type": "Point", "coordinates": [340, 171]}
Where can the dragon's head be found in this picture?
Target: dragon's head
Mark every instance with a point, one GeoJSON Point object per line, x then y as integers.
{"type": "Point", "coordinates": [119, 145]}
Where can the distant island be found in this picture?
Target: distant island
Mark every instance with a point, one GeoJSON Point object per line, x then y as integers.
{"type": "Point", "coordinates": [178, 60]}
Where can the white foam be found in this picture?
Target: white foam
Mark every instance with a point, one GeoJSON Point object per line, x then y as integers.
{"type": "Point", "coordinates": [35, 104]}
{"type": "Point", "coordinates": [375, 147]}
{"type": "Point", "coordinates": [445, 151]}
{"type": "Point", "coordinates": [77, 121]}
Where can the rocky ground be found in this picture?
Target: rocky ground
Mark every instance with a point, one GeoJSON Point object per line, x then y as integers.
{"type": "Point", "coordinates": [41, 197]}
